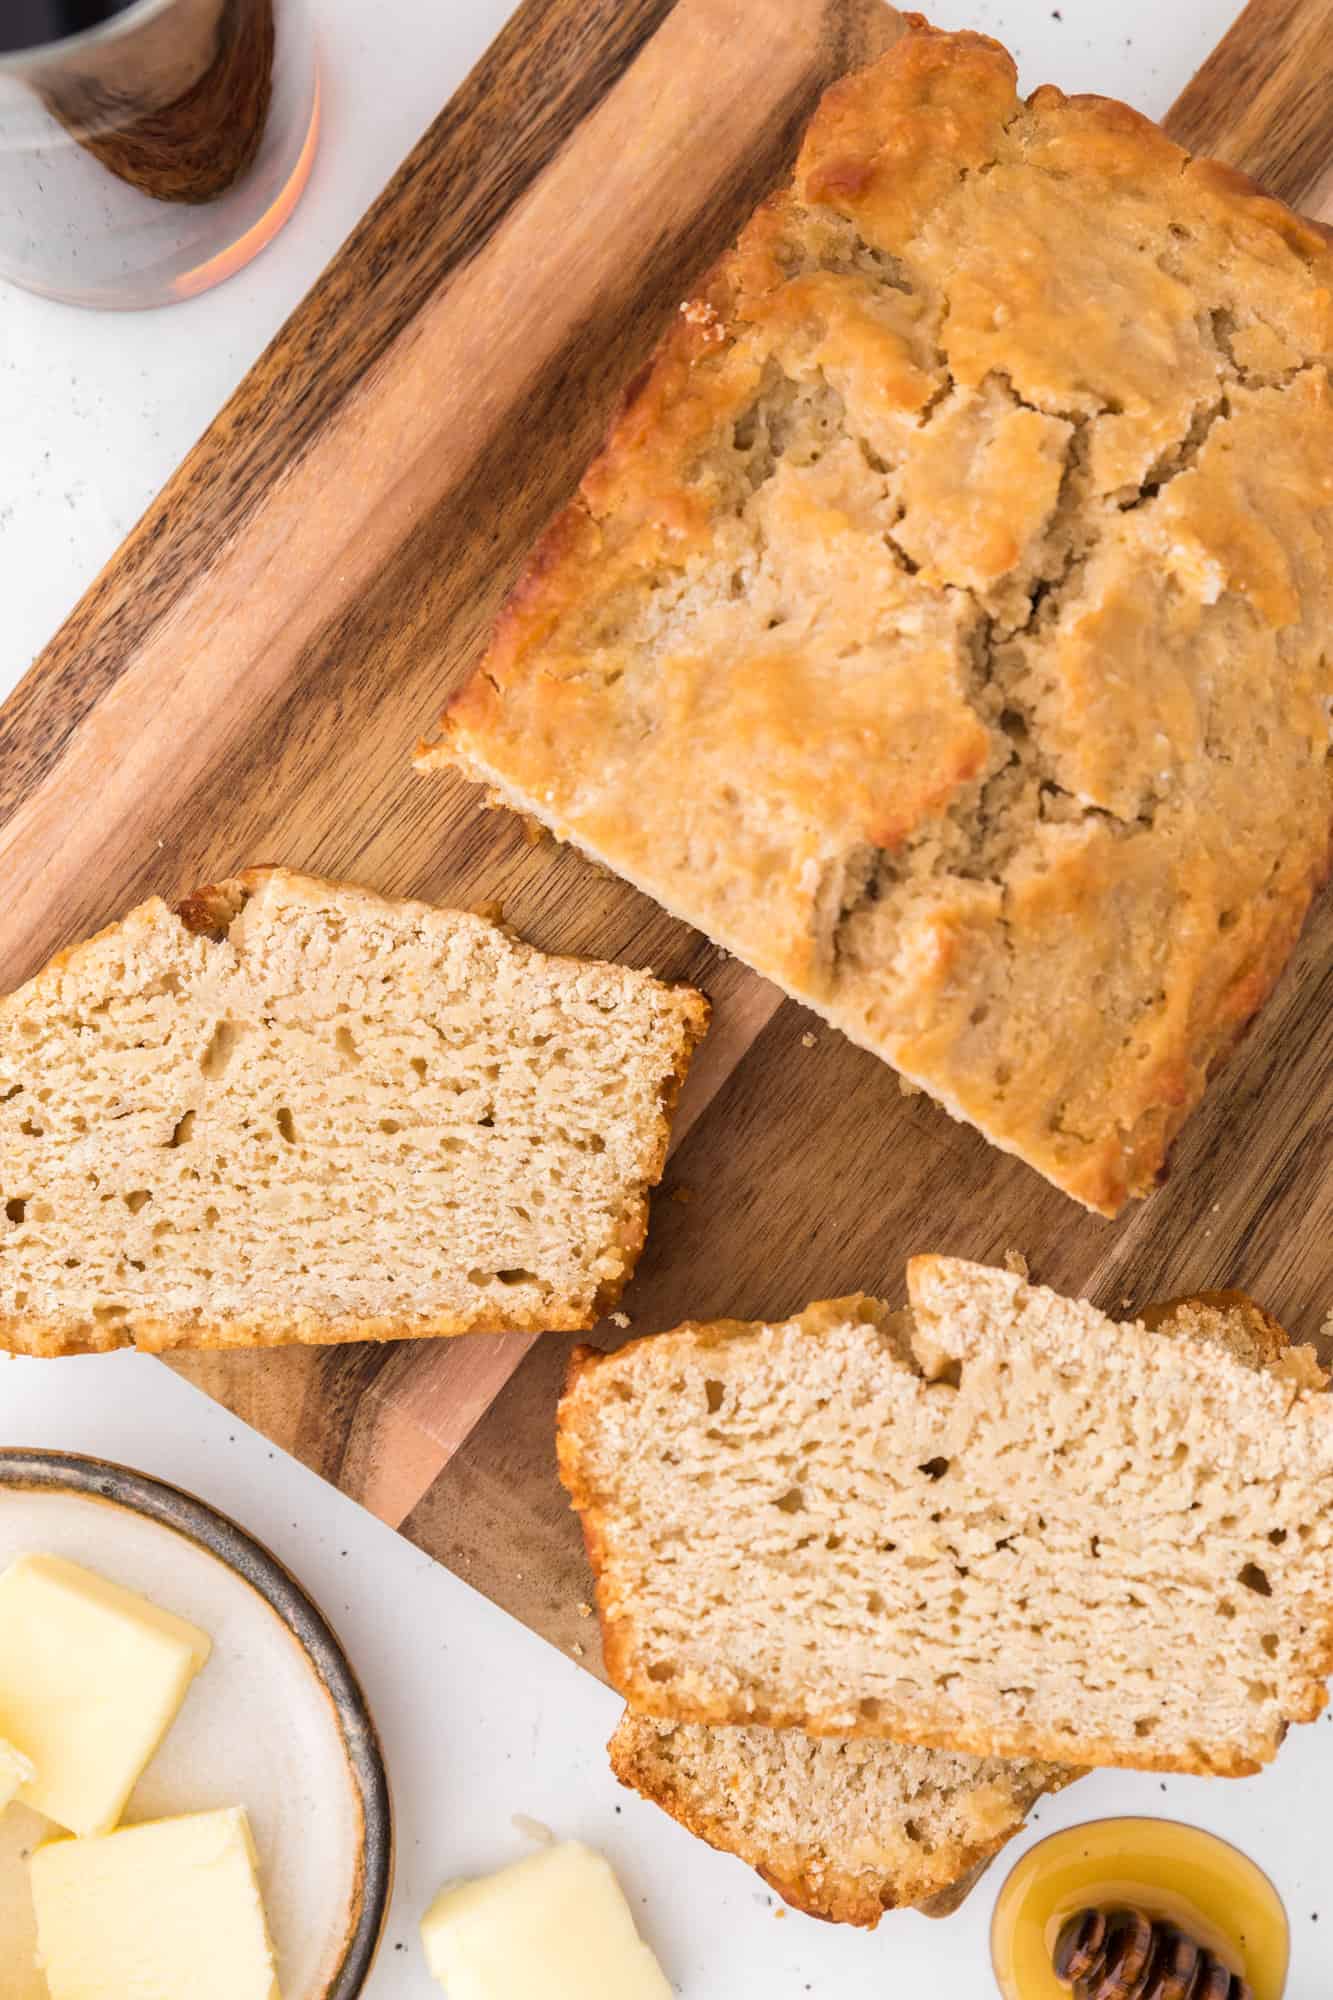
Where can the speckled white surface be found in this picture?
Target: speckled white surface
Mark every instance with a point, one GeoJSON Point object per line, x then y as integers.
{"type": "Point", "coordinates": [480, 1719]}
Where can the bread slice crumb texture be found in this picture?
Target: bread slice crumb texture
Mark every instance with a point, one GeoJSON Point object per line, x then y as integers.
{"type": "Point", "coordinates": [998, 1523]}
{"type": "Point", "coordinates": [295, 1111]}
{"type": "Point", "coordinates": [842, 1830]}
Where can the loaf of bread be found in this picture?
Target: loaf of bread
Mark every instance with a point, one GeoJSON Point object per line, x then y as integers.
{"type": "Point", "coordinates": [944, 627]}
{"type": "Point", "coordinates": [843, 1830]}
{"type": "Point", "coordinates": [291, 1110]}
{"type": "Point", "coordinates": [997, 1523]}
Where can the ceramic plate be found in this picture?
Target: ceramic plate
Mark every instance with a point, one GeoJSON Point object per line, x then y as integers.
{"type": "Point", "coordinates": [275, 1722]}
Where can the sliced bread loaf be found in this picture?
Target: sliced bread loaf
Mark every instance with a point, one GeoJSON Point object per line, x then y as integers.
{"type": "Point", "coordinates": [998, 1523]}
{"type": "Point", "coordinates": [841, 1829]}
{"type": "Point", "coordinates": [291, 1110]}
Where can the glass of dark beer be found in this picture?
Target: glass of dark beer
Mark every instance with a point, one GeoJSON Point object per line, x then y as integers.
{"type": "Point", "coordinates": [149, 148]}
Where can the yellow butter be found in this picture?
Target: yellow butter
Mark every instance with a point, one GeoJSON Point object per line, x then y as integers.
{"type": "Point", "coordinates": [556, 1925]}
{"type": "Point", "coordinates": [15, 1770]}
{"type": "Point", "coordinates": [91, 1679]}
{"type": "Point", "coordinates": [169, 1910]}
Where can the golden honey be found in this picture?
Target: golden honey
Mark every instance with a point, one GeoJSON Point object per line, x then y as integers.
{"type": "Point", "coordinates": [1200, 1883]}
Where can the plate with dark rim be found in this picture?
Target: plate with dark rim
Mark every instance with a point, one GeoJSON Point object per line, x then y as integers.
{"type": "Point", "coordinates": [276, 1721]}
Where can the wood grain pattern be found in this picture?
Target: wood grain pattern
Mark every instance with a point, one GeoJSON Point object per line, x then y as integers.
{"type": "Point", "coordinates": [1263, 101]}
{"type": "Point", "coordinates": [248, 677]}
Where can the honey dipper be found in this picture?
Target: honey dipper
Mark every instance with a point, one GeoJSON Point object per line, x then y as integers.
{"type": "Point", "coordinates": [1126, 1955]}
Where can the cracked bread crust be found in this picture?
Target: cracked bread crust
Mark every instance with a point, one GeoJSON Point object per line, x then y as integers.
{"type": "Point", "coordinates": [944, 626]}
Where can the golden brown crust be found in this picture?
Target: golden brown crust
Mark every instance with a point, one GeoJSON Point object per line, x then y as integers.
{"type": "Point", "coordinates": [943, 625]}
{"type": "Point", "coordinates": [210, 910]}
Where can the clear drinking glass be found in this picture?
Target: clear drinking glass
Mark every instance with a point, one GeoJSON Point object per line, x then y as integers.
{"type": "Point", "coordinates": [154, 151]}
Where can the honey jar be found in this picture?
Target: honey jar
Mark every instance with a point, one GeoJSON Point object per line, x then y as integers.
{"type": "Point", "coordinates": [1170, 1872]}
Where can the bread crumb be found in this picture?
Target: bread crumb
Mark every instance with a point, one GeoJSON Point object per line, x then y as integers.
{"type": "Point", "coordinates": [780, 1912]}
{"type": "Point", "coordinates": [907, 1088]}
{"type": "Point", "coordinates": [1126, 1305]}
{"type": "Point", "coordinates": [1015, 1261]}
{"type": "Point", "coordinates": [491, 913]}
{"type": "Point", "coordinates": [807, 1041]}
{"type": "Point", "coordinates": [584, 1610]}
{"type": "Point", "coordinates": [682, 1192]}
{"type": "Point", "coordinates": [534, 833]}
{"type": "Point", "coordinates": [620, 1319]}
{"type": "Point", "coordinates": [578, 1650]}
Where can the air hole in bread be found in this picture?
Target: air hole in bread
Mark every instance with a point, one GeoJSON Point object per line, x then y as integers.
{"type": "Point", "coordinates": [105, 1314]}
{"type": "Point", "coordinates": [183, 1130]}
{"type": "Point", "coordinates": [137, 1199]}
{"type": "Point", "coordinates": [16, 1208]}
{"type": "Point", "coordinates": [661, 1671]}
{"type": "Point", "coordinates": [216, 1058]}
{"type": "Point", "coordinates": [517, 1276]}
{"type": "Point", "coordinates": [345, 1043]}
{"type": "Point", "coordinates": [791, 1502]}
{"type": "Point", "coordinates": [1269, 1642]}
{"type": "Point", "coordinates": [868, 1709]}
{"type": "Point", "coordinates": [1255, 1579]}
{"type": "Point", "coordinates": [1144, 1725]}
{"type": "Point", "coordinates": [390, 1126]}
{"type": "Point", "coordinates": [1096, 1545]}
{"type": "Point", "coordinates": [934, 1468]}
{"type": "Point", "coordinates": [286, 1125]}
{"type": "Point", "coordinates": [1277, 1536]}
{"type": "Point", "coordinates": [875, 1605]}
{"type": "Point", "coordinates": [419, 1065]}
{"type": "Point", "coordinates": [714, 1393]}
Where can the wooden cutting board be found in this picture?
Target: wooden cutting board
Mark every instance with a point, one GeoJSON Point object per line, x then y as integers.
{"type": "Point", "coordinates": [247, 679]}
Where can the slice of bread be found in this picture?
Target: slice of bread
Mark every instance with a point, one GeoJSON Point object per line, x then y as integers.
{"type": "Point", "coordinates": [846, 1829]}
{"type": "Point", "coordinates": [291, 1110]}
{"type": "Point", "coordinates": [841, 1829]}
{"type": "Point", "coordinates": [998, 1523]}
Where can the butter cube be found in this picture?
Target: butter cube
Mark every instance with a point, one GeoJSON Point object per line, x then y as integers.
{"type": "Point", "coordinates": [163, 1911]}
{"type": "Point", "coordinates": [91, 1678]}
{"type": "Point", "coordinates": [15, 1770]}
{"type": "Point", "coordinates": [556, 1925]}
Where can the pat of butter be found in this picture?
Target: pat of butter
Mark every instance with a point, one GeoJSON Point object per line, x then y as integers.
{"type": "Point", "coordinates": [556, 1925]}
{"type": "Point", "coordinates": [15, 1770]}
{"type": "Point", "coordinates": [91, 1679]}
{"type": "Point", "coordinates": [162, 1911]}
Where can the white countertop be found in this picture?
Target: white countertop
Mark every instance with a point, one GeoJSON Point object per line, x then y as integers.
{"type": "Point", "coordinates": [480, 1719]}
